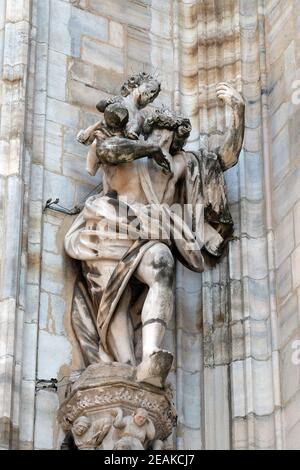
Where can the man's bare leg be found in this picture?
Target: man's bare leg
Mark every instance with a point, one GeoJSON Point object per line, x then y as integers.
{"type": "Point", "coordinates": [157, 271]}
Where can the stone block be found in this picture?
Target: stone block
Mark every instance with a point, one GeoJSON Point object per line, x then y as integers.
{"type": "Point", "coordinates": [295, 268]}
{"type": "Point", "coordinates": [6, 372]}
{"type": "Point", "coordinates": [50, 237]}
{"type": "Point", "coordinates": [256, 265]}
{"type": "Point", "coordinates": [116, 34]}
{"type": "Point", "coordinates": [27, 414]}
{"type": "Point", "coordinates": [281, 34]}
{"type": "Point", "coordinates": [52, 310]}
{"type": "Point", "coordinates": [290, 67]}
{"type": "Point", "coordinates": [35, 213]}
{"type": "Point", "coordinates": [82, 23]}
{"type": "Point", "coordinates": [284, 239]}
{"type": "Point", "coordinates": [45, 422]}
{"type": "Point", "coordinates": [259, 337]}
{"type": "Point", "coordinates": [191, 399]}
{"type": "Point", "coordinates": [32, 306]}
{"type": "Point", "coordinates": [216, 402]}
{"type": "Point", "coordinates": [34, 260]}
{"type": "Point", "coordinates": [36, 187]}
{"type": "Point", "coordinates": [17, 11]}
{"type": "Point", "coordinates": [81, 72]}
{"type": "Point", "coordinates": [103, 55]}
{"type": "Point", "coordinates": [108, 81]}
{"type": "Point", "coordinates": [161, 24]}
{"type": "Point", "coordinates": [7, 328]}
{"type": "Point", "coordinates": [42, 13]}
{"type": "Point", "coordinates": [294, 136]}
{"type": "Point", "coordinates": [189, 439]}
{"type": "Point", "coordinates": [280, 118]}
{"type": "Point", "coordinates": [291, 411]}
{"type": "Point", "coordinates": [60, 35]}
{"type": "Point", "coordinates": [139, 46]}
{"type": "Point", "coordinates": [62, 113]}
{"type": "Point", "coordinates": [251, 176]}
{"type": "Point", "coordinates": [288, 320]}
{"type": "Point", "coordinates": [41, 68]}
{"type": "Point", "coordinates": [29, 351]}
{"type": "Point", "coordinates": [277, 94]}
{"type": "Point", "coordinates": [297, 223]}
{"type": "Point", "coordinates": [54, 275]}
{"type": "Point", "coordinates": [11, 242]}
{"type": "Point", "coordinates": [283, 200]}
{"type": "Point", "coordinates": [280, 156]}
{"type": "Point", "coordinates": [49, 364]}
{"type": "Point", "coordinates": [239, 434]}
{"type": "Point", "coordinates": [220, 345]}
{"type": "Point", "coordinates": [292, 437]}
{"type": "Point", "coordinates": [84, 95]}
{"type": "Point", "coordinates": [57, 75]}
{"type": "Point", "coordinates": [262, 387]}
{"type": "Point", "coordinates": [256, 376]}
{"type": "Point", "coordinates": [252, 219]}
{"type": "Point", "coordinates": [190, 351]}
{"type": "Point", "coordinates": [284, 280]}
{"type": "Point", "coordinates": [58, 186]}
{"type": "Point", "coordinates": [131, 12]}
{"type": "Point", "coordinates": [53, 146]}
{"type": "Point", "coordinates": [189, 310]}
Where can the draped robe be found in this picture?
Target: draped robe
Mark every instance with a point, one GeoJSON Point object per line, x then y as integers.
{"type": "Point", "coordinates": [96, 237]}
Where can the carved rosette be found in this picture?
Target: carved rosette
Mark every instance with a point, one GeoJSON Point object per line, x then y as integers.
{"type": "Point", "coordinates": [101, 393]}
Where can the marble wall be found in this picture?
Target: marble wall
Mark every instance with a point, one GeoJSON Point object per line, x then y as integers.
{"type": "Point", "coordinates": [283, 70]}
{"type": "Point", "coordinates": [235, 326]}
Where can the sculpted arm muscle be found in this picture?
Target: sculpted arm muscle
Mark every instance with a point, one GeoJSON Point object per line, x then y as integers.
{"type": "Point", "coordinates": [121, 150]}
{"type": "Point", "coordinates": [230, 150]}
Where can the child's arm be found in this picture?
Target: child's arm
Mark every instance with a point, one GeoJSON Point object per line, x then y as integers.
{"type": "Point", "coordinates": [87, 136]}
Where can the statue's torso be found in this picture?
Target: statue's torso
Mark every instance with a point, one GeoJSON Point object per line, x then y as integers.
{"type": "Point", "coordinates": [125, 180]}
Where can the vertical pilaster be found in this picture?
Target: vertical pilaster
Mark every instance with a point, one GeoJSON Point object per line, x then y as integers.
{"type": "Point", "coordinates": [16, 32]}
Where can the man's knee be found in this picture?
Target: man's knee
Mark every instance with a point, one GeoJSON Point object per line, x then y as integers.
{"type": "Point", "coordinates": [162, 265]}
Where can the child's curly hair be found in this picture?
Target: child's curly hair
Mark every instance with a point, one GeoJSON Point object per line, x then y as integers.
{"type": "Point", "coordinates": [135, 81]}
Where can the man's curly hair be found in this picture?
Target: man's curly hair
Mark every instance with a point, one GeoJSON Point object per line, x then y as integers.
{"type": "Point", "coordinates": [135, 81]}
{"type": "Point", "coordinates": [163, 118]}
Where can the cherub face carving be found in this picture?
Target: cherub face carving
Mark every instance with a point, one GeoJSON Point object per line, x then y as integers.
{"type": "Point", "coordinates": [140, 417]}
{"type": "Point", "coordinates": [81, 425]}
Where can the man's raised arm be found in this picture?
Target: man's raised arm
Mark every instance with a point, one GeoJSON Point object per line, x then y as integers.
{"type": "Point", "coordinates": [230, 149]}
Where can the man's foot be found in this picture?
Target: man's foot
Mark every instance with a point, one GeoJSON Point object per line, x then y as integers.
{"type": "Point", "coordinates": [154, 369]}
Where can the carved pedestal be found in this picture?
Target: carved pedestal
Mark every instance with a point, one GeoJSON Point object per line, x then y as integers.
{"type": "Point", "coordinates": [106, 409]}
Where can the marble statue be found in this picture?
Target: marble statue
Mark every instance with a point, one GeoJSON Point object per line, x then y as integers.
{"type": "Point", "coordinates": [159, 204]}
{"type": "Point", "coordinates": [116, 248]}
